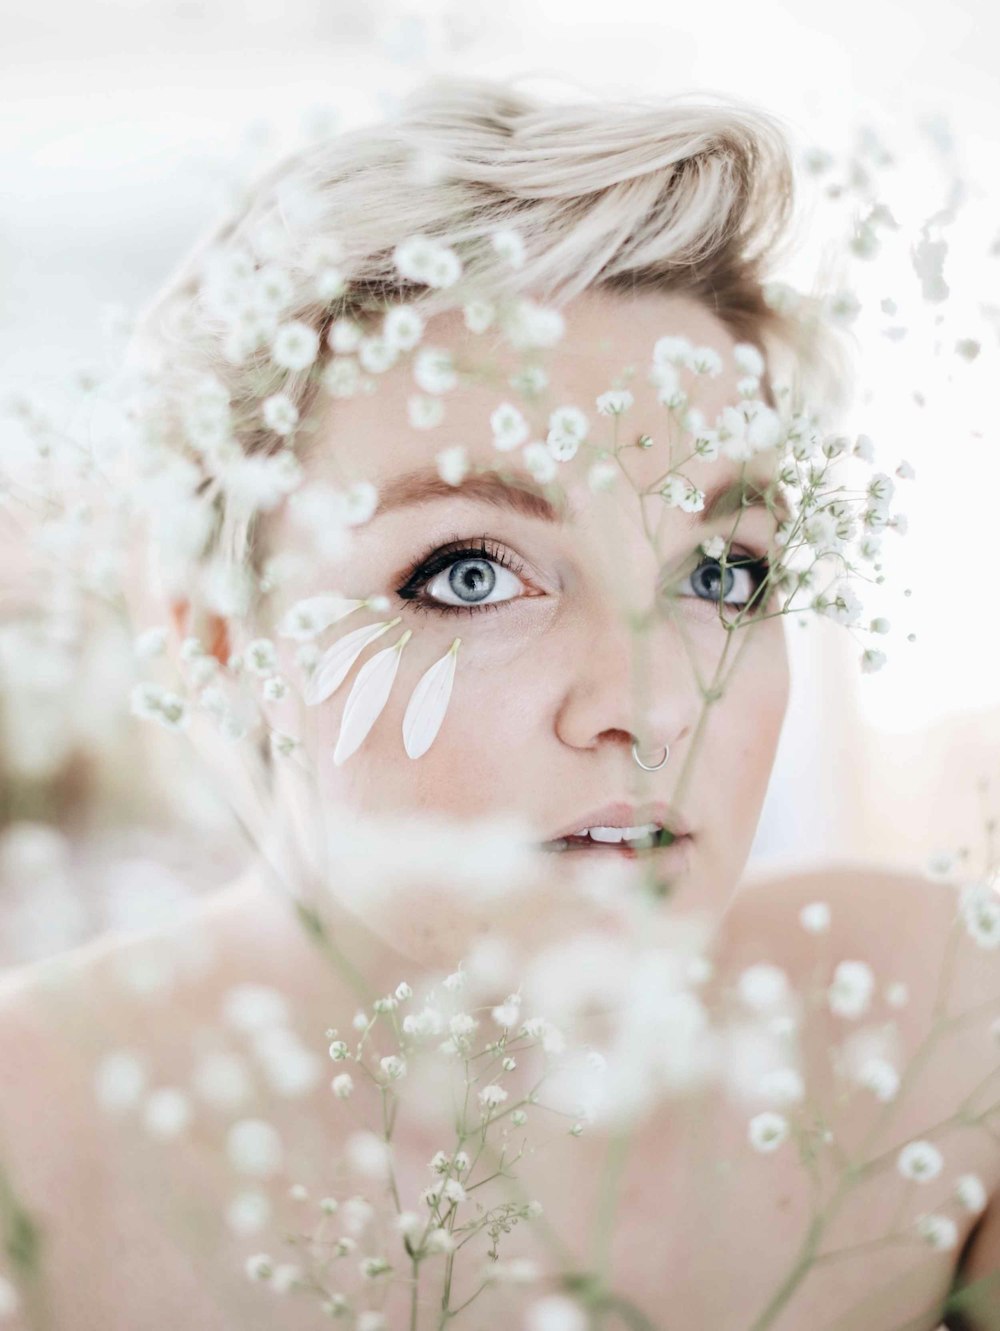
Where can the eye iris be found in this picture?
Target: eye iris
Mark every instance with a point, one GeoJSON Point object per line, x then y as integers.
{"type": "Point", "coordinates": [472, 575]}
{"type": "Point", "coordinates": [709, 574]}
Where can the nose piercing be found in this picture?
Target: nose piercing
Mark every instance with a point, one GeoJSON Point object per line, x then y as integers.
{"type": "Point", "coordinates": [655, 766]}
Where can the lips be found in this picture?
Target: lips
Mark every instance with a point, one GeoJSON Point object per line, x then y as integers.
{"type": "Point", "coordinates": [624, 814]}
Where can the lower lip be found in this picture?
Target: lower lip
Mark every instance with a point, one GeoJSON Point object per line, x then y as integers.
{"type": "Point", "coordinates": [675, 856]}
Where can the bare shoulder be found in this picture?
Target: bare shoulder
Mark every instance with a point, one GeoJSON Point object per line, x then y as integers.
{"type": "Point", "coordinates": [935, 944]}
{"type": "Point", "coordinates": [120, 1080]}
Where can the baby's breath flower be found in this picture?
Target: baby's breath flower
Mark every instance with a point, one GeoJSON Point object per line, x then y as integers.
{"type": "Point", "coordinates": [615, 402]}
{"type": "Point", "coordinates": [762, 986]}
{"type": "Point", "coordinates": [506, 1013]}
{"type": "Point", "coordinates": [342, 377]}
{"type": "Point", "coordinates": [462, 1024]}
{"type": "Point", "coordinates": [672, 350]}
{"type": "Point", "coordinates": [167, 1112]}
{"type": "Point", "coordinates": [275, 688]}
{"type": "Point", "coordinates": [254, 1147]}
{"type": "Point", "coordinates": [508, 244]}
{"type": "Point", "coordinates": [119, 1080]}
{"type": "Point", "coordinates": [843, 307]}
{"type": "Point", "coordinates": [280, 413]}
{"type": "Point", "coordinates": [409, 1224]}
{"type": "Point", "coordinates": [259, 1266]}
{"type": "Point", "coordinates": [377, 355]}
{"type": "Point", "coordinates": [782, 1085]}
{"type": "Point", "coordinates": [434, 370]}
{"type": "Point", "coordinates": [920, 1161]}
{"type": "Point", "coordinates": [152, 642]}
{"type": "Point", "coordinates": [393, 1067]}
{"type": "Point", "coordinates": [850, 993]}
{"type": "Point", "coordinates": [880, 1077]}
{"type": "Point", "coordinates": [815, 917]}
{"type": "Point", "coordinates": [705, 360]}
{"type": "Point", "coordinates": [940, 1231]}
{"type": "Point", "coordinates": [372, 1267]}
{"type": "Point", "coordinates": [344, 336]}
{"type": "Point", "coordinates": [509, 427]}
{"type": "Point", "coordinates": [567, 429]}
{"type": "Point", "coordinates": [253, 1007]}
{"type": "Point", "coordinates": [329, 283]}
{"type": "Point", "coordinates": [425, 413]}
{"type": "Point", "coordinates": [980, 911]}
{"type": "Point", "coordinates": [402, 327]}
{"type": "Point", "coordinates": [338, 1050]}
{"type": "Point", "coordinates": [295, 346]}
{"type": "Point", "coordinates": [370, 1320]}
{"type": "Point", "coordinates": [369, 1154]}
{"type": "Point", "coordinates": [248, 1212]}
{"type": "Point", "coordinates": [528, 325]}
{"type": "Point", "coordinates": [491, 1096]}
{"type": "Point", "coordinates": [971, 1193]}
{"type": "Point", "coordinates": [342, 1085]}
{"type": "Point", "coordinates": [748, 359]}
{"type": "Point", "coordinates": [403, 992]}
{"type": "Point", "coordinates": [478, 315]}
{"type": "Point", "coordinates": [261, 656]}
{"type": "Point", "coordinates": [519, 1117]}
{"type": "Point", "coordinates": [453, 464]}
{"type": "Point", "coordinates": [555, 1312]}
{"type": "Point", "coordinates": [601, 475]}
{"type": "Point", "coordinates": [767, 1131]}
{"type": "Point", "coordinates": [286, 1276]}
{"type": "Point", "coordinates": [426, 1022]}
{"type": "Point", "coordinates": [516, 1271]}
{"type": "Point", "coordinates": [10, 1300]}
{"type": "Point", "coordinates": [439, 1240]}
{"type": "Point", "coordinates": [539, 461]}
{"type": "Point", "coordinates": [872, 660]}
{"type": "Point", "coordinates": [421, 259]}
{"type": "Point", "coordinates": [905, 471]}
{"type": "Point", "coordinates": [153, 703]}
{"type": "Point", "coordinates": [714, 547]}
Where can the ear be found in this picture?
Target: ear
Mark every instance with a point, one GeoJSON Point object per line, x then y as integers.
{"type": "Point", "coordinates": [214, 634]}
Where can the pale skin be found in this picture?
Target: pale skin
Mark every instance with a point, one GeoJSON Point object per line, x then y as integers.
{"type": "Point", "coordinates": [691, 1248]}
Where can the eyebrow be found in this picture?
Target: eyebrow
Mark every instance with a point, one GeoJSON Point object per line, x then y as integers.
{"type": "Point", "coordinates": [518, 494]}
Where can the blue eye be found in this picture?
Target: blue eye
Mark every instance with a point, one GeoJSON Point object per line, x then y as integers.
{"type": "Point", "coordinates": [468, 577]}
{"type": "Point", "coordinates": [467, 580]}
{"type": "Point", "coordinates": [713, 583]}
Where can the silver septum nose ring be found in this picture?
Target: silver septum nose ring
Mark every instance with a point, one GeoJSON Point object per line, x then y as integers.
{"type": "Point", "coordinates": [646, 767]}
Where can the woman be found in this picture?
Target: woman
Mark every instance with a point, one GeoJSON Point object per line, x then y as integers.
{"type": "Point", "coordinates": [601, 648]}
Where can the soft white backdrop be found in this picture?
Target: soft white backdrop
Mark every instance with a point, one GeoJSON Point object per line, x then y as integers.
{"type": "Point", "coordinates": [123, 125]}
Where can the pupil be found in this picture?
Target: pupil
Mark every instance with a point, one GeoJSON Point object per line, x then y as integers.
{"type": "Point", "coordinates": [475, 573]}
{"type": "Point", "coordinates": [711, 581]}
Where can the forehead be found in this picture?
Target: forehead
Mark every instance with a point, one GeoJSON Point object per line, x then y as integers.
{"type": "Point", "coordinates": [607, 343]}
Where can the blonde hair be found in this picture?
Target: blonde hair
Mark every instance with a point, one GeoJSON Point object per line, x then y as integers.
{"type": "Point", "coordinates": [683, 196]}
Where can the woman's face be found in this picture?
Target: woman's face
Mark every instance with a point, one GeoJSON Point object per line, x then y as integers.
{"type": "Point", "coordinates": [546, 700]}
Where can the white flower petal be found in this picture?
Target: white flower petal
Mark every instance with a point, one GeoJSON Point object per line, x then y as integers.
{"type": "Point", "coordinates": [428, 703]}
{"type": "Point", "coordinates": [337, 660]}
{"type": "Point", "coordinates": [366, 699]}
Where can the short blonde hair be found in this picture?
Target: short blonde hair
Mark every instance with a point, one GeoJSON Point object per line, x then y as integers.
{"type": "Point", "coordinates": [677, 195]}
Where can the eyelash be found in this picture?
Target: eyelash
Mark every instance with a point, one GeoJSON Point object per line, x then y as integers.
{"type": "Point", "coordinates": [447, 555]}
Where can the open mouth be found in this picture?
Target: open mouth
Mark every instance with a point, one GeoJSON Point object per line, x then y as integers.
{"type": "Point", "coordinates": [627, 845]}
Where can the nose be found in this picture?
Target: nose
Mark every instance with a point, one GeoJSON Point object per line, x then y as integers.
{"type": "Point", "coordinates": [630, 681]}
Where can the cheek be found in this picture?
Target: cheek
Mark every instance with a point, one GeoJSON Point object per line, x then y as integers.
{"type": "Point", "coordinates": [482, 757]}
{"type": "Point", "coordinates": [751, 714]}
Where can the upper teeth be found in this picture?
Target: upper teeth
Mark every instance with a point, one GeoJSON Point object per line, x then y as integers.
{"type": "Point", "coordinates": [618, 833]}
